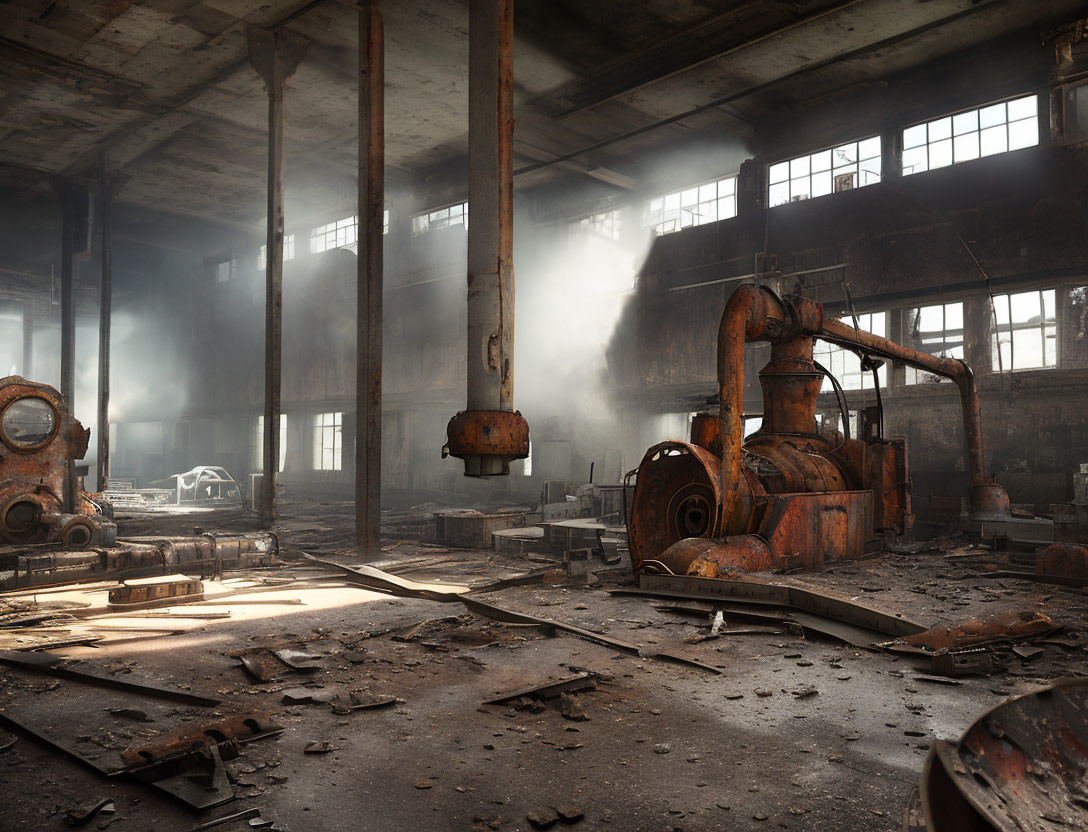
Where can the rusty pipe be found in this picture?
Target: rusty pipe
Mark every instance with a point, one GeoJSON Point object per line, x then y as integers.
{"type": "Point", "coordinates": [986, 496]}
{"type": "Point", "coordinates": [752, 313]}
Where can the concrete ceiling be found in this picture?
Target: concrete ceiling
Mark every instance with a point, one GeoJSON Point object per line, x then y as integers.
{"type": "Point", "coordinates": [166, 88]}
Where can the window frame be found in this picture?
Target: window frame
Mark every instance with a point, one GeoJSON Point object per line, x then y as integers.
{"type": "Point", "coordinates": [958, 135]}
{"type": "Point", "coordinates": [997, 328]}
{"type": "Point", "coordinates": [800, 169]}
{"type": "Point", "coordinates": [440, 217]}
{"type": "Point", "coordinates": [655, 219]}
{"type": "Point", "coordinates": [944, 349]}
{"type": "Point", "coordinates": [328, 438]}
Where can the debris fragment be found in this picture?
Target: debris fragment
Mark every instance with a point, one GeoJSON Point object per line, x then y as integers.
{"type": "Point", "coordinates": [569, 813]}
{"type": "Point", "coordinates": [542, 818]}
{"type": "Point", "coordinates": [84, 815]}
{"type": "Point", "coordinates": [319, 747]}
{"type": "Point", "coordinates": [570, 708]}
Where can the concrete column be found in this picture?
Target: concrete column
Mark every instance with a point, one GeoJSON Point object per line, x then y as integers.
{"type": "Point", "coordinates": [368, 360]}
{"type": "Point", "coordinates": [891, 153]}
{"type": "Point", "coordinates": [491, 205]}
{"type": "Point", "coordinates": [977, 321]}
{"type": "Point", "coordinates": [274, 55]}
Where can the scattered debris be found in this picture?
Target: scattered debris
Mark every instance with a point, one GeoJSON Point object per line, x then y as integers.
{"type": "Point", "coordinates": [245, 813]}
{"type": "Point", "coordinates": [548, 690]}
{"type": "Point", "coordinates": [1006, 626]}
{"type": "Point", "coordinates": [543, 818]}
{"type": "Point", "coordinates": [298, 660]}
{"type": "Point", "coordinates": [320, 747]}
{"type": "Point", "coordinates": [81, 817]}
{"type": "Point", "coordinates": [75, 669]}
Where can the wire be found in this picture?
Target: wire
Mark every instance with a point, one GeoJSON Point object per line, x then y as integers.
{"type": "Point", "coordinates": [974, 259]}
{"type": "Point", "coordinates": [840, 394]}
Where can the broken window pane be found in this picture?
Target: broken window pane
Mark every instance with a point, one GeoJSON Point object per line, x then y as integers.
{"type": "Point", "coordinates": [842, 168]}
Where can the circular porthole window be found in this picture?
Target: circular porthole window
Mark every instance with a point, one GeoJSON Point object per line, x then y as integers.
{"type": "Point", "coordinates": [28, 423]}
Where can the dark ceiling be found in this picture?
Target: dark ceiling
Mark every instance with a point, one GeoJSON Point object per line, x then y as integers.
{"type": "Point", "coordinates": [166, 88]}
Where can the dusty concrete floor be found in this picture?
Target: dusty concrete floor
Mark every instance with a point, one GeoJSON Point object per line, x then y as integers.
{"type": "Point", "coordinates": [664, 747]}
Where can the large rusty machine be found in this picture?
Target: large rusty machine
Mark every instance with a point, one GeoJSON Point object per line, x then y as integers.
{"type": "Point", "coordinates": [52, 532]}
{"type": "Point", "coordinates": [790, 497]}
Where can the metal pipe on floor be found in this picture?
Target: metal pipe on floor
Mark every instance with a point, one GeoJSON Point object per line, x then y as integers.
{"type": "Point", "coordinates": [489, 434]}
{"type": "Point", "coordinates": [274, 55]}
{"type": "Point", "coordinates": [368, 361]}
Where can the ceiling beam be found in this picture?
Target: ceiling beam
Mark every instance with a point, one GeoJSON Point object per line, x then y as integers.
{"type": "Point", "coordinates": [707, 40]}
{"type": "Point", "coordinates": [766, 85]}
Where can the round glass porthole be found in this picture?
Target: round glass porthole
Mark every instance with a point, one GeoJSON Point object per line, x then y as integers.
{"type": "Point", "coordinates": [29, 422]}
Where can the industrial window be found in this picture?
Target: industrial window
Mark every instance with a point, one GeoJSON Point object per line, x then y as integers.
{"type": "Point", "coordinates": [999, 128]}
{"type": "Point", "coordinates": [338, 234]}
{"type": "Point", "coordinates": [442, 218]}
{"type": "Point", "coordinates": [328, 441]}
{"type": "Point", "coordinates": [1027, 331]}
{"type": "Point", "coordinates": [385, 221]}
{"type": "Point", "coordinates": [697, 205]}
{"type": "Point", "coordinates": [606, 223]}
{"type": "Point", "coordinates": [288, 252]}
{"type": "Point", "coordinates": [844, 364]}
{"type": "Point", "coordinates": [258, 447]}
{"type": "Point", "coordinates": [224, 270]}
{"type": "Point", "coordinates": [527, 463]}
{"type": "Point", "coordinates": [843, 168]}
{"type": "Point", "coordinates": [937, 330]}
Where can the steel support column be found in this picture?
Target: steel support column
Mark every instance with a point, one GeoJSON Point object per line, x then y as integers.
{"type": "Point", "coordinates": [68, 194]}
{"type": "Point", "coordinates": [489, 434]}
{"type": "Point", "coordinates": [368, 356]}
{"type": "Point", "coordinates": [28, 339]}
{"type": "Point", "coordinates": [105, 314]}
{"type": "Point", "coordinates": [274, 55]}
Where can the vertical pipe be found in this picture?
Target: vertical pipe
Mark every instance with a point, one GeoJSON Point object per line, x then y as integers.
{"type": "Point", "coordinates": [276, 81]}
{"type": "Point", "coordinates": [368, 360]}
{"type": "Point", "coordinates": [28, 339]}
{"type": "Point", "coordinates": [67, 323]}
{"type": "Point", "coordinates": [105, 313]}
{"type": "Point", "coordinates": [491, 202]}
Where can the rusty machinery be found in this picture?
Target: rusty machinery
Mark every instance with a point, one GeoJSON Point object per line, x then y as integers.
{"type": "Point", "coordinates": [43, 542]}
{"type": "Point", "coordinates": [790, 496]}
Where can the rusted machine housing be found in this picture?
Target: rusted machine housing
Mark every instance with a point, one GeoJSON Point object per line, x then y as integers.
{"type": "Point", "coordinates": [789, 497]}
{"type": "Point", "coordinates": [40, 436]}
{"type": "Point", "coordinates": [42, 544]}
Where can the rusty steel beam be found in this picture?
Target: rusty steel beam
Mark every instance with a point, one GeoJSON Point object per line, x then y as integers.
{"type": "Point", "coordinates": [105, 315]}
{"type": "Point", "coordinates": [28, 338]}
{"type": "Point", "coordinates": [370, 278]}
{"type": "Point", "coordinates": [489, 434]}
{"type": "Point", "coordinates": [67, 192]}
{"type": "Point", "coordinates": [274, 55]}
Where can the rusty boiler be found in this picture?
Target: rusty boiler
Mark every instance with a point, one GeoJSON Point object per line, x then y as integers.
{"type": "Point", "coordinates": [790, 497]}
{"type": "Point", "coordinates": [41, 438]}
{"type": "Point", "coordinates": [44, 543]}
